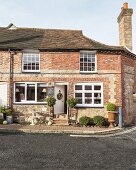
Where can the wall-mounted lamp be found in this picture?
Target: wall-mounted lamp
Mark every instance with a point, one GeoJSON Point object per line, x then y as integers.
{"type": "Point", "coordinates": [17, 90]}
{"type": "Point", "coordinates": [44, 90]}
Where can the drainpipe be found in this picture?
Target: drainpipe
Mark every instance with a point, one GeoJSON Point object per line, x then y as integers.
{"type": "Point", "coordinates": [11, 54]}
{"type": "Point", "coordinates": [120, 118]}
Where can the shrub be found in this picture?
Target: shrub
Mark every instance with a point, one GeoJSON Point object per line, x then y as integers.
{"type": "Point", "coordinates": [84, 120]}
{"type": "Point", "coordinates": [51, 101]}
{"type": "Point", "coordinates": [91, 123]}
{"type": "Point", "coordinates": [111, 107]}
{"type": "Point", "coordinates": [1, 121]}
{"type": "Point", "coordinates": [72, 102]}
{"type": "Point", "coordinates": [99, 121]}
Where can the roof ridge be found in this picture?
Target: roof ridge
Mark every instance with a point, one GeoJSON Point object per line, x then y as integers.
{"type": "Point", "coordinates": [46, 29]}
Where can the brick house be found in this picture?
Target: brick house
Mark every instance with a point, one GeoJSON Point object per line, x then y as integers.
{"type": "Point", "coordinates": [35, 63]}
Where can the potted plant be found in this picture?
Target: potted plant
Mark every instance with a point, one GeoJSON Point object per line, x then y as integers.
{"type": "Point", "coordinates": [72, 110]}
{"type": "Point", "coordinates": [111, 108]}
{"type": "Point", "coordinates": [51, 101]}
{"type": "Point", "coordinates": [2, 110]}
{"type": "Point", "coordinates": [9, 115]}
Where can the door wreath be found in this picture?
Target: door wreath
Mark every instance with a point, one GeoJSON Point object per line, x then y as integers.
{"type": "Point", "coordinates": [59, 95]}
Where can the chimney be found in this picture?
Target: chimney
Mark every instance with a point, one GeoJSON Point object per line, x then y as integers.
{"type": "Point", "coordinates": [125, 26]}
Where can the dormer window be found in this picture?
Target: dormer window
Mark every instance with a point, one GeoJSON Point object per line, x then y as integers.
{"type": "Point", "coordinates": [88, 62]}
{"type": "Point", "coordinates": [31, 61]}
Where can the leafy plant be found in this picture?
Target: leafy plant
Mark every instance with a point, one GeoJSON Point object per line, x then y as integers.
{"type": "Point", "coordinates": [84, 120]}
{"type": "Point", "coordinates": [72, 102]}
{"type": "Point", "coordinates": [51, 101]}
{"type": "Point", "coordinates": [1, 121]}
{"type": "Point", "coordinates": [2, 109]}
{"type": "Point", "coordinates": [99, 121]}
{"type": "Point", "coordinates": [111, 107]}
{"type": "Point", "coordinates": [9, 112]}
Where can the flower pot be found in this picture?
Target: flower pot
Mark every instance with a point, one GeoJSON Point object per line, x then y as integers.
{"type": "Point", "coordinates": [9, 119]}
{"type": "Point", "coordinates": [111, 118]}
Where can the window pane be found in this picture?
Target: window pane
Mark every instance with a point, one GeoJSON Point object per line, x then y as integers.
{"type": "Point", "coordinates": [97, 87]}
{"type": "Point", "coordinates": [33, 67]}
{"type": "Point", "coordinates": [90, 69]}
{"type": "Point", "coordinates": [81, 69]}
{"type": "Point", "coordinates": [88, 95]}
{"type": "Point", "coordinates": [97, 101]}
{"type": "Point", "coordinates": [85, 68]}
{"type": "Point", "coordinates": [25, 67]}
{"type": "Point", "coordinates": [37, 58]}
{"type": "Point", "coordinates": [78, 96]}
{"type": "Point", "coordinates": [97, 98]}
{"type": "Point", "coordinates": [33, 59]}
{"type": "Point", "coordinates": [78, 87]}
{"type": "Point", "coordinates": [89, 58]}
{"type": "Point", "coordinates": [41, 92]}
{"type": "Point", "coordinates": [81, 59]}
{"type": "Point", "coordinates": [31, 92]}
{"type": "Point", "coordinates": [88, 98]}
{"type": "Point", "coordinates": [93, 59]}
{"type": "Point", "coordinates": [87, 87]}
{"type": "Point", "coordinates": [37, 67]}
{"type": "Point", "coordinates": [81, 64]}
{"type": "Point", "coordinates": [19, 92]}
{"type": "Point", "coordinates": [88, 101]}
{"type": "Point", "coordinates": [29, 67]}
{"type": "Point", "coordinates": [85, 59]}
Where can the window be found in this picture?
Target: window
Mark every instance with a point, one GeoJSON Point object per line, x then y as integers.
{"type": "Point", "coordinates": [30, 92]}
{"type": "Point", "coordinates": [89, 94]}
{"type": "Point", "coordinates": [88, 62]}
{"type": "Point", "coordinates": [31, 62]}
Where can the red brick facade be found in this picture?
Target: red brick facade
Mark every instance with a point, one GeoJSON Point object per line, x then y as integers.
{"type": "Point", "coordinates": [65, 67]}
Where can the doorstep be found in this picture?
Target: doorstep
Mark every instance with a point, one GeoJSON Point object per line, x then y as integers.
{"type": "Point", "coordinates": [17, 128]}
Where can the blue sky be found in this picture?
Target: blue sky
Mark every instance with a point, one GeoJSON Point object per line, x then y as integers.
{"type": "Point", "coordinates": [97, 18]}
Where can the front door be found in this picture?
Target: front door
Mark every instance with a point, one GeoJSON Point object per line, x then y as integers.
{"type": "Point", "coordinates": [59, 107]}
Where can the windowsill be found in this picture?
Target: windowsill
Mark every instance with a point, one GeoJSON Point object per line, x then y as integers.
{"type": "Point", "coordinates": [31, 71]}
{"type": "Point", "coordinates": [87, 106]}
{"type": "Point", "coordinates": [30, 103]}
{"type": "Point", "coordinates": [88, 72]}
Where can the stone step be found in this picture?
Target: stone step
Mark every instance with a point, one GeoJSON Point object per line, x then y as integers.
{"type": "Point", "coordinates": [61, 116]}
{"type": "Point", "coordinates": [60, 122]}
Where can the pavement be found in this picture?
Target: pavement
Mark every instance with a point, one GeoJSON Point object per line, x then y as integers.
{"type": "Point", "coordinates": [60, 129]}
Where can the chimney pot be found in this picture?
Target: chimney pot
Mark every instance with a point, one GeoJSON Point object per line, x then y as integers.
{"type": "Point", "coordinates": [125, 5]}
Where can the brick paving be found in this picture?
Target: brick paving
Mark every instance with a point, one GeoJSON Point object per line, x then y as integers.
{"type": "Point", "coordinates": [54, 129]}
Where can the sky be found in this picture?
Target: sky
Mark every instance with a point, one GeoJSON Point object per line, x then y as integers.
{"type": "Point", "coordinates": [96, 18]}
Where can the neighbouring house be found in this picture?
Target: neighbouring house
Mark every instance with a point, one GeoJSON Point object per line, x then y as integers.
{"type": "Point", "coordinates": [36, 63]}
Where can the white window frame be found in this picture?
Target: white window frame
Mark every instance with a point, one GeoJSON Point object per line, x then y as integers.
{"type": "Point", "coordinates": [89, 52]}
{"type": "Point", "coordinates": [30, 52]}
{"type": "Point", "coordinates": [83, 91]}
{"type": "Point", "coordinates": [25, 101]}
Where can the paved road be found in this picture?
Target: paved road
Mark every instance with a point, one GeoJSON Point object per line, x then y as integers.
{"type": "Point", "coordinates": [58, 151]}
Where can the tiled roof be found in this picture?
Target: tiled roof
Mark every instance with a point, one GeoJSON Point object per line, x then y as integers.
{"type": "Point", "coordinates": [34, 38]}
{"type": "Point", "coordinates": [49, 39]}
